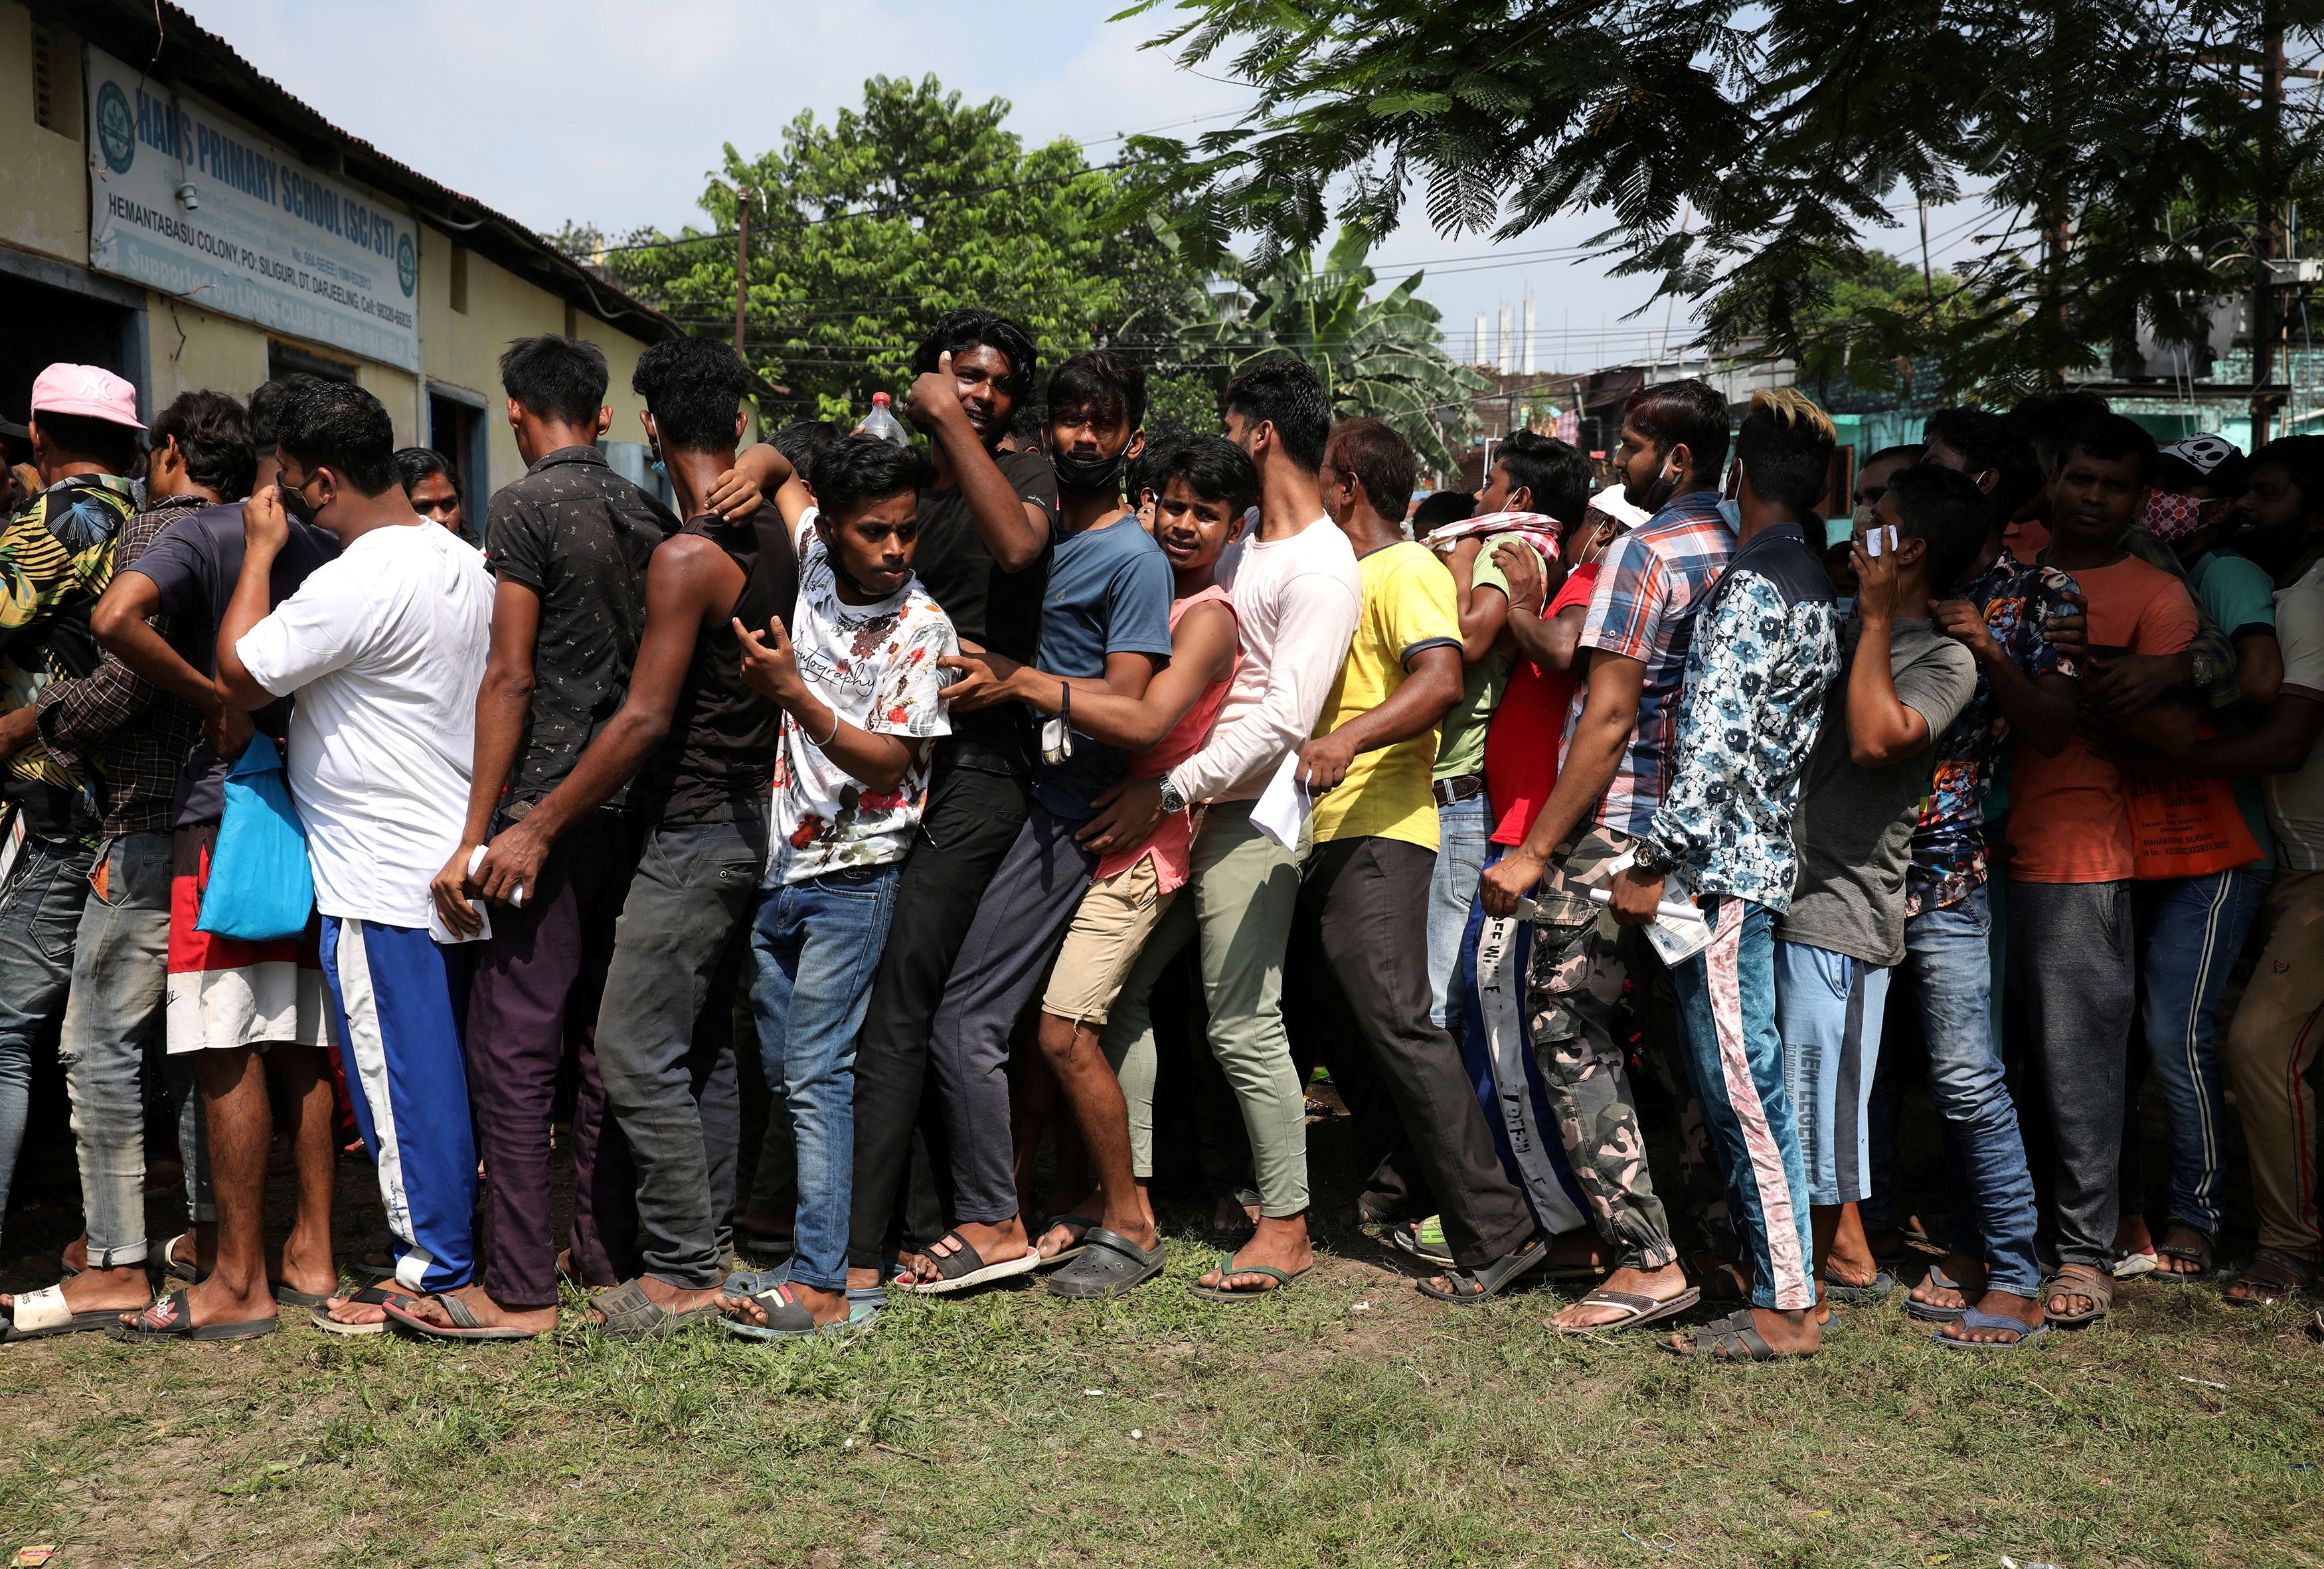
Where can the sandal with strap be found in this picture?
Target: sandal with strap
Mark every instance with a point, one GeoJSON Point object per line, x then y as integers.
{"type": "Point", "coordinates": [465, 1325]}
{"type": "Point", "coordinates": [1423, 1240]}
{"type": "Point", "coordinates": [2078, 1280]}
{"type": "Point", "coordinates": [1877, 1289]}
{"type": "Point", "coordinates": [1228, 1269]}
{"type": "Point", "coordinates": [38, 1315]}
{"type": "Point", "coordinates": [1489, 1280]}
{"type": "Point", "coordinates": [2201, 1253]}
{"type": "Point", "coordinates": [627, 1313]}
{"type": "Point", "coordinates": [1636, 1309]}
{"type": "Point", "coordinates": [1735, 1338]}
{"type": "Point", "coordinates": [2272, 1276]}
{"type": "Point", "coordinates": [964, 1267]}
{"type": "Point", "coordinates": [173, 1319]}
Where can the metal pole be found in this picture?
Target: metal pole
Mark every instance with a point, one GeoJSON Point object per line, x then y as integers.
{"type": "Point", "coordinates": [2265, 240]}
{"type": "Point", "coordinates": [742, 264]}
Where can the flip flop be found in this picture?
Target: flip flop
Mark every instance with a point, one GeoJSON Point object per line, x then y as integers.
{"type": "Point", "coordinates": [1072, 1249]}
{"type": "Point", "coordinates": [465, 1325]}
{"type": "Point", "coordinates": [627, 1313]}
{"type": "Point", "coordinates": [173, 1319]}
{"type": "Point", "coordinates": [1882, 1283]}
{"type": "Point", "coordinates": [1972, 1319]}
{"type": "Point", "coordinates": [1229, 1268]}
{"type": "Point", "coordinates": [1929, 1312]}
{"type": "Point", "coordinates": [1110, 1265]}
{"type": "Point", "coordinates": [964, 1267]}
{"type": "Point", "coordinates": [38, 1315]}
{"type": "Point", "coordinates": [2130, 1266]}
{"type": "Point", "coordinates": [1489, 1280]}
{"type": "Point", "coordinates": [318, 1314]}
{"type": "Point", "coordinates": [1640, 1309]}
{"type": "Point", "coordinates": [291, 1296]}
{"type": "Point", "coordinates": [1735, 1339]}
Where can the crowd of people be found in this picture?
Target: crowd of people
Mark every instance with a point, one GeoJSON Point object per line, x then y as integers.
{"type": "Point", "coordinates": [1043, 804]}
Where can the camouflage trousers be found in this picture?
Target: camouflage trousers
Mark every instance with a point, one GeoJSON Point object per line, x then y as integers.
{"type": "Point", "coordinates": [1573, 988]}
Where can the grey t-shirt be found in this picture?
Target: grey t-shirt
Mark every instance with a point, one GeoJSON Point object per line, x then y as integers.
{"type": "Point", "coordinates": [1854, 830]}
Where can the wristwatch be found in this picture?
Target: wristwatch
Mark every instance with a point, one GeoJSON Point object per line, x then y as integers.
{"type": "Point", "coordinates": [1651, 859]}
{"type": "Point", "coordinates": [1172, 801]}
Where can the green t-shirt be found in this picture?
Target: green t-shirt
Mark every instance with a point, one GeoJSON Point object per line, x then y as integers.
{"type": "Point", "coordinates": [2239, 596]}
{"type": "Point", "coordinates": [1461, 750]}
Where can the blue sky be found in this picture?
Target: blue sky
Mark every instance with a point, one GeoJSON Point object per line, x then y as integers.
{"type": "Point", "coordinates": [613, 113]}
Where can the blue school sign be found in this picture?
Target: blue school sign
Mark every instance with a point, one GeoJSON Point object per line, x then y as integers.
{"type": "Point", "coordinates": [190, 203]}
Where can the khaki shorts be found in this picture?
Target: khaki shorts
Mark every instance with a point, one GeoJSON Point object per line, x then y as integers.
{"type": "Point", "coordinates": [1117, 916]}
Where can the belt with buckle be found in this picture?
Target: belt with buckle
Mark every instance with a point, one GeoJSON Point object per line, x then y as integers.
{"type": "Point", "coordinates": [1448, 791]}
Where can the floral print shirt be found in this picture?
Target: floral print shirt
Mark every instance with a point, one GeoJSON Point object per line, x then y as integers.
{"type": "Point", "coordinates": [875, 665]}
{"type": "Point", "coordinates": [1766, 652]}
{"type": "Point", "coordinates": [1949, 851]}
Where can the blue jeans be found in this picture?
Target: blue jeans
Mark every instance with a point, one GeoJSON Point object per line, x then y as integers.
{"type": "Point", "coordinates": [1946, 965]}
{"type": "Point", "coordinates": [1462, 830]}
{"type": "Point", "coordinates": [1828, 1011]}
{"type": "Point", "coordinates": [1726, 1003]}
{"type": "Point", "coordinates": [817, 943]}
{"type": "Point", "coordinates": [119, 974]}
{"type": "Point", "coordinates": [40, 913]}
{"type": "Point", "coordinates": [2191, 930]}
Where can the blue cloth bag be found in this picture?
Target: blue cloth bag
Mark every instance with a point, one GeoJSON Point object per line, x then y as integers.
{"type": "Point", "coordinates": [261, 887]}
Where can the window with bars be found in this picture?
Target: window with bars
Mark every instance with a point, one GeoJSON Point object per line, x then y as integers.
{"type": "Point", "coordinates": [56, 80]}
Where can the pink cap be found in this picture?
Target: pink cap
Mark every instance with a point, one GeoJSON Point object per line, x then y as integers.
{"type": "Point", "coordinates": [90, 390]}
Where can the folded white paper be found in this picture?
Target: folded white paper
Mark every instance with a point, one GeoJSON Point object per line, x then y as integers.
{"type": "Point", "coordinates": [1285, 805]}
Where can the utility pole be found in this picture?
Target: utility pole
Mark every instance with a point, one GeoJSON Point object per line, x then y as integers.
{"type": "Point", "coordinates": [2267, 235]}
{"type": "Point", "coordinates": [742, 264]}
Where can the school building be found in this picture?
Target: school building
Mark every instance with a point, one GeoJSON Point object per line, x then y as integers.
{"type": "Point", "coordinates": [170, 213]}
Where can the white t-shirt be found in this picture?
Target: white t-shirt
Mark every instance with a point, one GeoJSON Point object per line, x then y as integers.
{"type": "Point", "coordinates": [2295, 801]}
{"type": "Point", "coordinates": [384, 647]}
{"type": "Point", "coordinates": [1296, 601]}
{"type": "Point", "coordinates": [875, 665]}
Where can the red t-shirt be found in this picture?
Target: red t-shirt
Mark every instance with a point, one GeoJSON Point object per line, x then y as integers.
{"type": "Point", "coordinates": [1522, 745]}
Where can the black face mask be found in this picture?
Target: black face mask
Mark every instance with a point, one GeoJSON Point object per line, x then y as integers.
{"type": "Point", "coordinates": [1090, 475]}
{"type": "Point", "coordinates": [296, 504]}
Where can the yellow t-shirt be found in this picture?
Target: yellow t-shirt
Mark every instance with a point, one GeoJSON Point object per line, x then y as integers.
{"type": "Point", "coordinates": [1408, 607]}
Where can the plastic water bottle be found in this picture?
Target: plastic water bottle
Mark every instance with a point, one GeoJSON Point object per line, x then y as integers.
{"type": "Point", "coordinates": [883, 423]}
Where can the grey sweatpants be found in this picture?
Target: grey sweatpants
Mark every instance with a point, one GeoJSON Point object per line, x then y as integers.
{"type": "Point", "coordinates": [1020, 923]}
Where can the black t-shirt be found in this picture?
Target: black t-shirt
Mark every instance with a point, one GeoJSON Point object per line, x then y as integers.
{"type": "Point", "coordinates": [579, 536]}
{"type": "Point", "coordinates": [1000, 610]}
{"type": "Point", "coordinates": [194, 564]}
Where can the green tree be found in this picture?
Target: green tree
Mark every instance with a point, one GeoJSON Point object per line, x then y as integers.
{"type": "Point", "coordinates": [1384, 357]}
{"type": "Point", "coordinates": [1738, 147]}
{"type": "Point", "coordinates": [864, 229]}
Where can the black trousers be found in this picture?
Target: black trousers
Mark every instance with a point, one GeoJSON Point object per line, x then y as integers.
{"type": "Point", "coordinates": [1363, 906]}
{"type": "Point", "coordinates": [973, 815]}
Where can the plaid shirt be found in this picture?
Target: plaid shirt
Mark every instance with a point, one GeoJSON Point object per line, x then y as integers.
{"type": "Point", "coordinates": [1643, 608]}
{"type": "Point", "coordinates": [136, 733]}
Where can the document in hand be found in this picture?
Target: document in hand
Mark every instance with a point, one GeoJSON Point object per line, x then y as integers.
{"type": "Point", "coordinates": [1680, 931]}
{"type": "Point", "coordinates": [1285, 805]}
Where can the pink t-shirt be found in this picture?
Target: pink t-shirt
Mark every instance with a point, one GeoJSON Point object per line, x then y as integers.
{"type": "Point", "coordinates": [1172, 842]}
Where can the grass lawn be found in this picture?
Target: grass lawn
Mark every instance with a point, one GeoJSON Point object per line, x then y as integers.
{"type": "Point", "coordinates": [1350, 1422]}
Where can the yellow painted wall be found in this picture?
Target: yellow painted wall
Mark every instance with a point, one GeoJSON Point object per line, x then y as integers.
{"type": "Point", "coordinates": [44, 209]}
{"type": "Point", "coordinates": [44, 193]}
{"type": "Point", "coordinates": [192, 347]}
